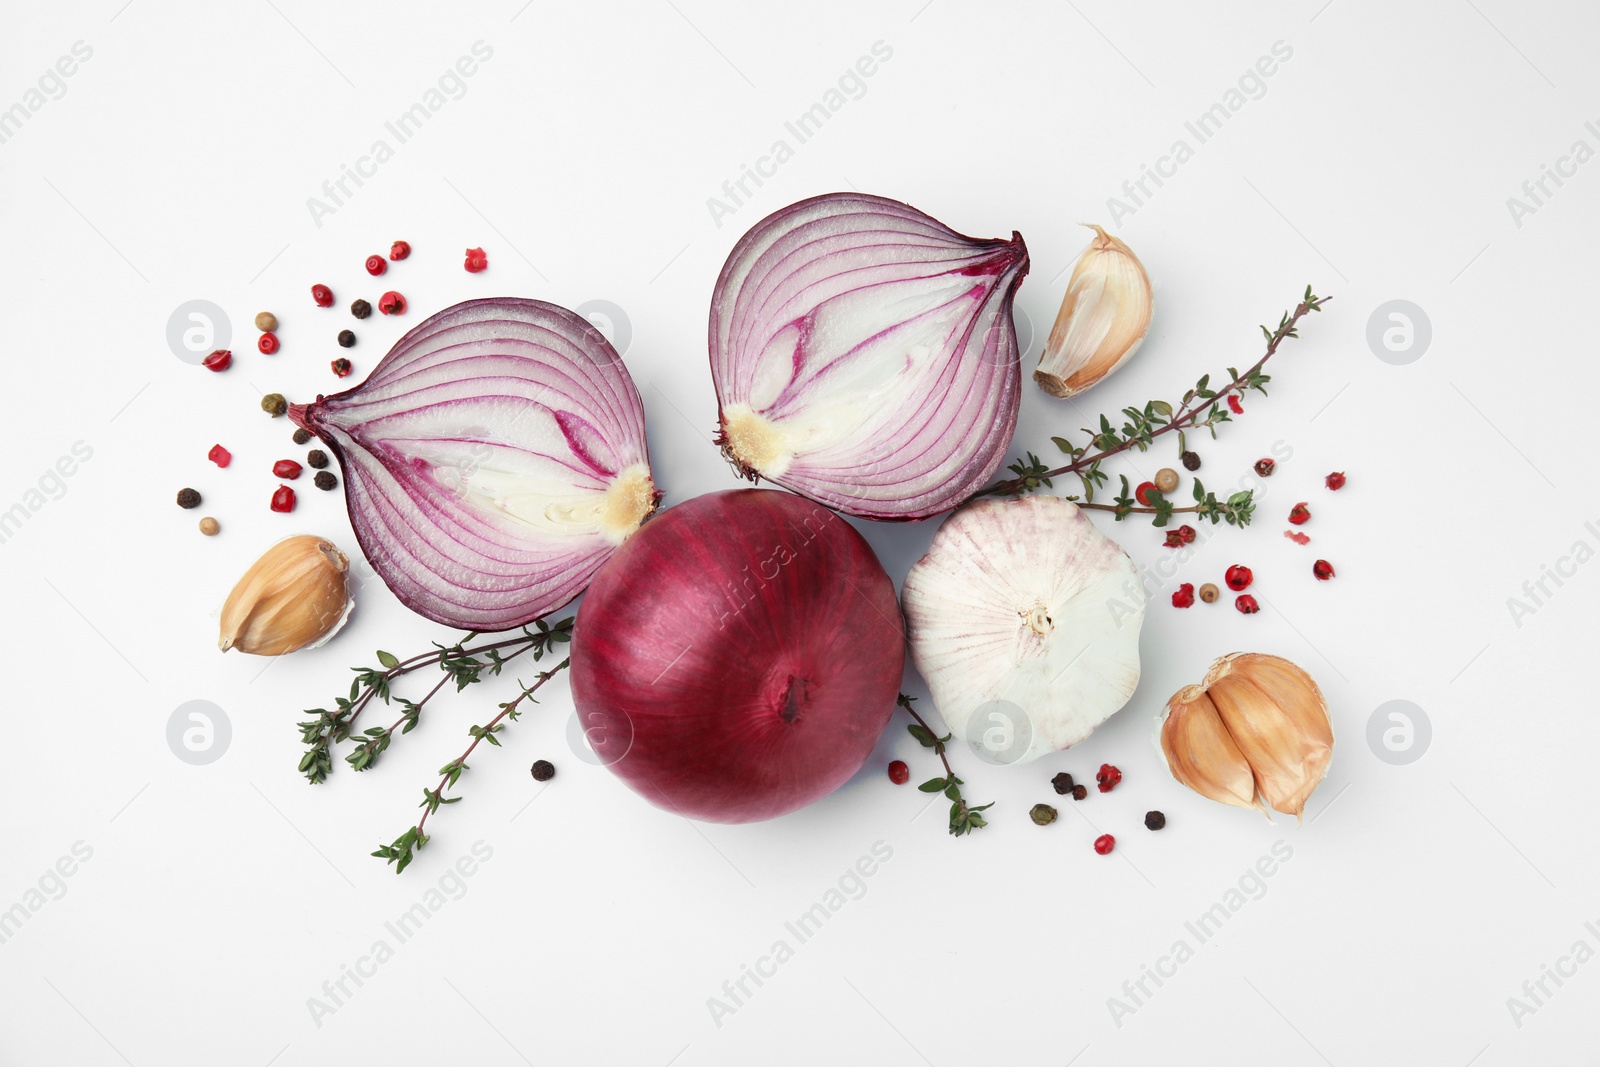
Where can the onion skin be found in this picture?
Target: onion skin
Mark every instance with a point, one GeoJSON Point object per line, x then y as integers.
{"type": "Point", "coordinates": [739, 656]}
{"type": "Point", "coordinates": [864, 356]}
{"type": "Point", "coordinates": [493, 460]}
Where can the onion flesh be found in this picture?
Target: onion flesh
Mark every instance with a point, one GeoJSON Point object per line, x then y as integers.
{"type": "Point", "coordinates": [864, 355]}
{"type": "Point", "coordinates": [739, 657]}
{"type": "Point", "coordinates": [493, 460]}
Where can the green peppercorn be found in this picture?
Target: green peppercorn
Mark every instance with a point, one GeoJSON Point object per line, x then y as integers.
{"type": "Point", "coordinates": [543, 770]}
{"type": "Point", "coordinates": [325, 480]}
{"type": "Point", "coordinates": [316, 459]}
{"type": "Point", "coordinates": [301, 435]}
{"type": "Point", "coordinates": [1042, 814]}
{"type": "Point", "coordinates": [188, 498]}
{"type": "Point", "coordinates": [274, 404]}
{"type": "Point", "coordinates": [360, 309]}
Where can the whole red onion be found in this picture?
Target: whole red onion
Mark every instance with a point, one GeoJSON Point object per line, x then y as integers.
{"type": "Point", "coordinates": [739, 656]}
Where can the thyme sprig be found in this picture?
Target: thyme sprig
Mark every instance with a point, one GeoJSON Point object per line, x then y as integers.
{"type": "Point", "coordinates": [404, 848]}
{"type": "Point", "coordinates": [459, 663]}
{"type": "Point", "coordinates": [963, 818]}
{"type": "Point", "coordinates": [1202, 408]}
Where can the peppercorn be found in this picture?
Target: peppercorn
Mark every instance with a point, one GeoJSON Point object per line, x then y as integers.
{"type": "Point", "coordinates": [1146, 494]}
{"type": "Point", "coordinates": [477, 260]}
{"type": "Point", "coordinates": [316, 459]}
{"type": "Point", "coordinates": [1166, 479]}
{"type": "Point", "coordinates": [1299, 514]}
{"type": "Point", "coordinates": [283, 499]}
{"type": "Point", "coordinates": [340, 367]}
{"type": "Point", "coordinates": [218, 361]}
{"type": "Point", "coordinates": [1183, 596]}
{"type": "Point", "coordinates": [220, 456]}
{"type": "Point", "coordinates": [1322, 569]}
{"type": "Point", "coordinates": [1062, 783]}
{"type": "Point", "coordinates": [325, 480]}
{"type": "Point", "coordinates": [1079, 792]}
{"type": "Point", "coordinates": [1246, 604]}
{"type": "Point", "coordinates": [376, 265]}
{"type": "Point", "coordinates": [1154, 820]}
{"type": "Point", "coordinates": [266, 321]}
{"type": "Point", "coordinates": [899, 773]}
{"type": "Point", "coordinates": [1234, 405]}
{"type": "Point", "coordinates": [346, 338]}
{"type": "Point", "coordinates": [322, 295]}
{"type": "Point", "coordinates": [274, 404]}
{"type": "Point", "coordinates": [1108, 777]}
{"type": "Point", "coordinates": [188, 498]}
{"type": "Point", "coordinates": [1104, 844]}
{"type": "Point", "coordinates": [1334, 480]}
{"type": "Point", "coordinates": [209, 526]}
{"type": "Point", "coordinates": [267, 343]}
{"type": "Point", "coordinates": [1191, 461]}
{"type": "Point", "coordinates": [1239, 577]}
{"type": "Point", "coordinates": [1265, 467]}
{"type": "Point", "coordinates": [392, 303]}
{"type": "Point", "coordinates": [1209, 593]}
{"type": "Point", "coordinates": [301, 435]}
{"type": "Point", "coordinates": [360, 309]}
{"type": "Point", "coordinates": [287, 469]}
{"type": "Point", "coordinates": [400, 250]}
{"type": "Point", "coordinates": [543, 770]}
{"type": "Point", "coordinates": [1042, 814]}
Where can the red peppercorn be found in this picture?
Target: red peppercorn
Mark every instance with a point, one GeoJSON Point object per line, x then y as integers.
{"type": "Point", "coordinates": [268, 343]}
{"type": "Point", "coordinates": [1108, 777]}
{"type": "Point", "coordinates": [1239, 577]}
{"type": "Point", "coordinates": [220, 456]}
{"type": "Point", "coordinates": [322, 295]}
{"type": "Point", "coordinates": [1173, 540]}
{"type": "Point", "coordinates": [283, 499]}
{"type": "Point", "coordinates": [1322, 569]}
{"type": "Point", "coordinates": [1246, 604]}
{"type": "Point", "coordinates": [1265, 467]}
{"type": "Point", "coordinates": [899, 773]}
{"type": "Point", "coordinates": [1335, 480]}
{"type": "Point", "coordinates": [392, 303]}
{"type": "Point", "coordinates": [341, 366]}
{"type": "Point", "coordinates": [477, 260]}
{"type": "Point", "coordinates": [286, 468]}
{"type": "Point", "coordinates": [1234, 405]}
{"type": "Point", "coordinates": [1104, 844]}
{"type": "Point", "coordinates": [220, 360]}
{"type": "Point", "coordinates": [399, 250]}
{"type": "Point", "coordinates": [1184, 597]}
{"type": "Point", "coordinates": [376, 265]}
{"type": "Point", "coordinates": [1147, 494]}
{"type": "Point", "coordinates": [1299, 514]}
{"type": "Point", "coordinates": [1186, 534]}
{"type": "Point", "coordinates": [1297, 537]}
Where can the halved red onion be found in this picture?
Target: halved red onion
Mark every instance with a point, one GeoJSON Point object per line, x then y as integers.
{"type": "Point", "coordinates": [864, 355]}
{"type": "Point", "coordinates": [492, 461]}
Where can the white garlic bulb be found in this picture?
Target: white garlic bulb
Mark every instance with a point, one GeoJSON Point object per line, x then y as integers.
{"type": "Point", "coordinates": [1024, 621]}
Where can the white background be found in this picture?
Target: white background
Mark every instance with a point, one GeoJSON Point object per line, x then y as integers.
{"type": "Point", "coordinates": [1377, 165]}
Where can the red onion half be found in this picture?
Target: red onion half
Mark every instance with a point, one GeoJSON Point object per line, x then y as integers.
{"type": "Point", "coordinates": [864, 355]}
{"type": "Point", "coordinates": [492, 461]}
{"type": "Point", "coordinates": [739, 657]}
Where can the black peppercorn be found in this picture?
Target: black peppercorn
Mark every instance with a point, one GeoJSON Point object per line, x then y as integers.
{"type": "Point", "coordinates": [325, 480]}
{"type": "Point", "coordinates": [1062, 783]}
{"type": "Point", "coordinates": [274, 404]}
{"type": "Point", "coordinates": [1154, 820]}
{"type": "Point", "coordinates": [346, 338]}
{"type": "Point", "coordinates": [1079, 792]}
{"type": "Point", "coordinates": [301, 435]}
{"type": "Point", "coordinates": [316, 459]}
{"type": "Point", "coordinates": [188, 498]}
{"type": "Point", "coordinates": [543, 770]}
{"type": "Point", "coordinates": [1191, 461]}
{"type": "Point", "coordinates": [360, 309]}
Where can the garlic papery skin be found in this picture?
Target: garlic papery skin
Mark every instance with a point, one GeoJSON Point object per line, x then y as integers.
{"type": "Point", "coordinates": [1103, 320]}
{"type": "Point", "coordinates": [297, 595]}
{"type": "Point", "coordinates": [1024, 621]}
{"type": "Point", "coordinates": [1257, 710]}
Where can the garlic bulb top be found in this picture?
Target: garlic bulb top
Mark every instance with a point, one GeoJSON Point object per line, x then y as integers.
{"type": "Point", "coordinates": [1024, 621]}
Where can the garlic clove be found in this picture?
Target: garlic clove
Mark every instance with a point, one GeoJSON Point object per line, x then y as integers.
{"type": "Point", "coordinates": [1202, 754]}
{"type": "Point", "coordinates": [1277, 716]}
{"type": "Point", "coordinates": [297, 595]}
{"type": "Point", "coordinates": [1103, 320]}
{"type": "Point", "coordinates": [1024, 621]}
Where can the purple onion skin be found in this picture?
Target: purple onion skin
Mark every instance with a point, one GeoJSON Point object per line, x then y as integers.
{"type": "Point", "coordinates": [912, 482]}
{"type": "Point", "coordinates": [738, 657]}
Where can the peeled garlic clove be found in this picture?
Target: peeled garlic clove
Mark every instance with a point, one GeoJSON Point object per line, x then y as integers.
{"type": "Point", "coordinates": [1103, 320]}
{"type": "Point", "coordinates": [295, 596]}
{"type": "Point", "coordinates": [1024, 621]}
{"type": "Point", "coordinates": [1202, 754]}
{"type": "Point", "coordinates": [1279, 720]}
